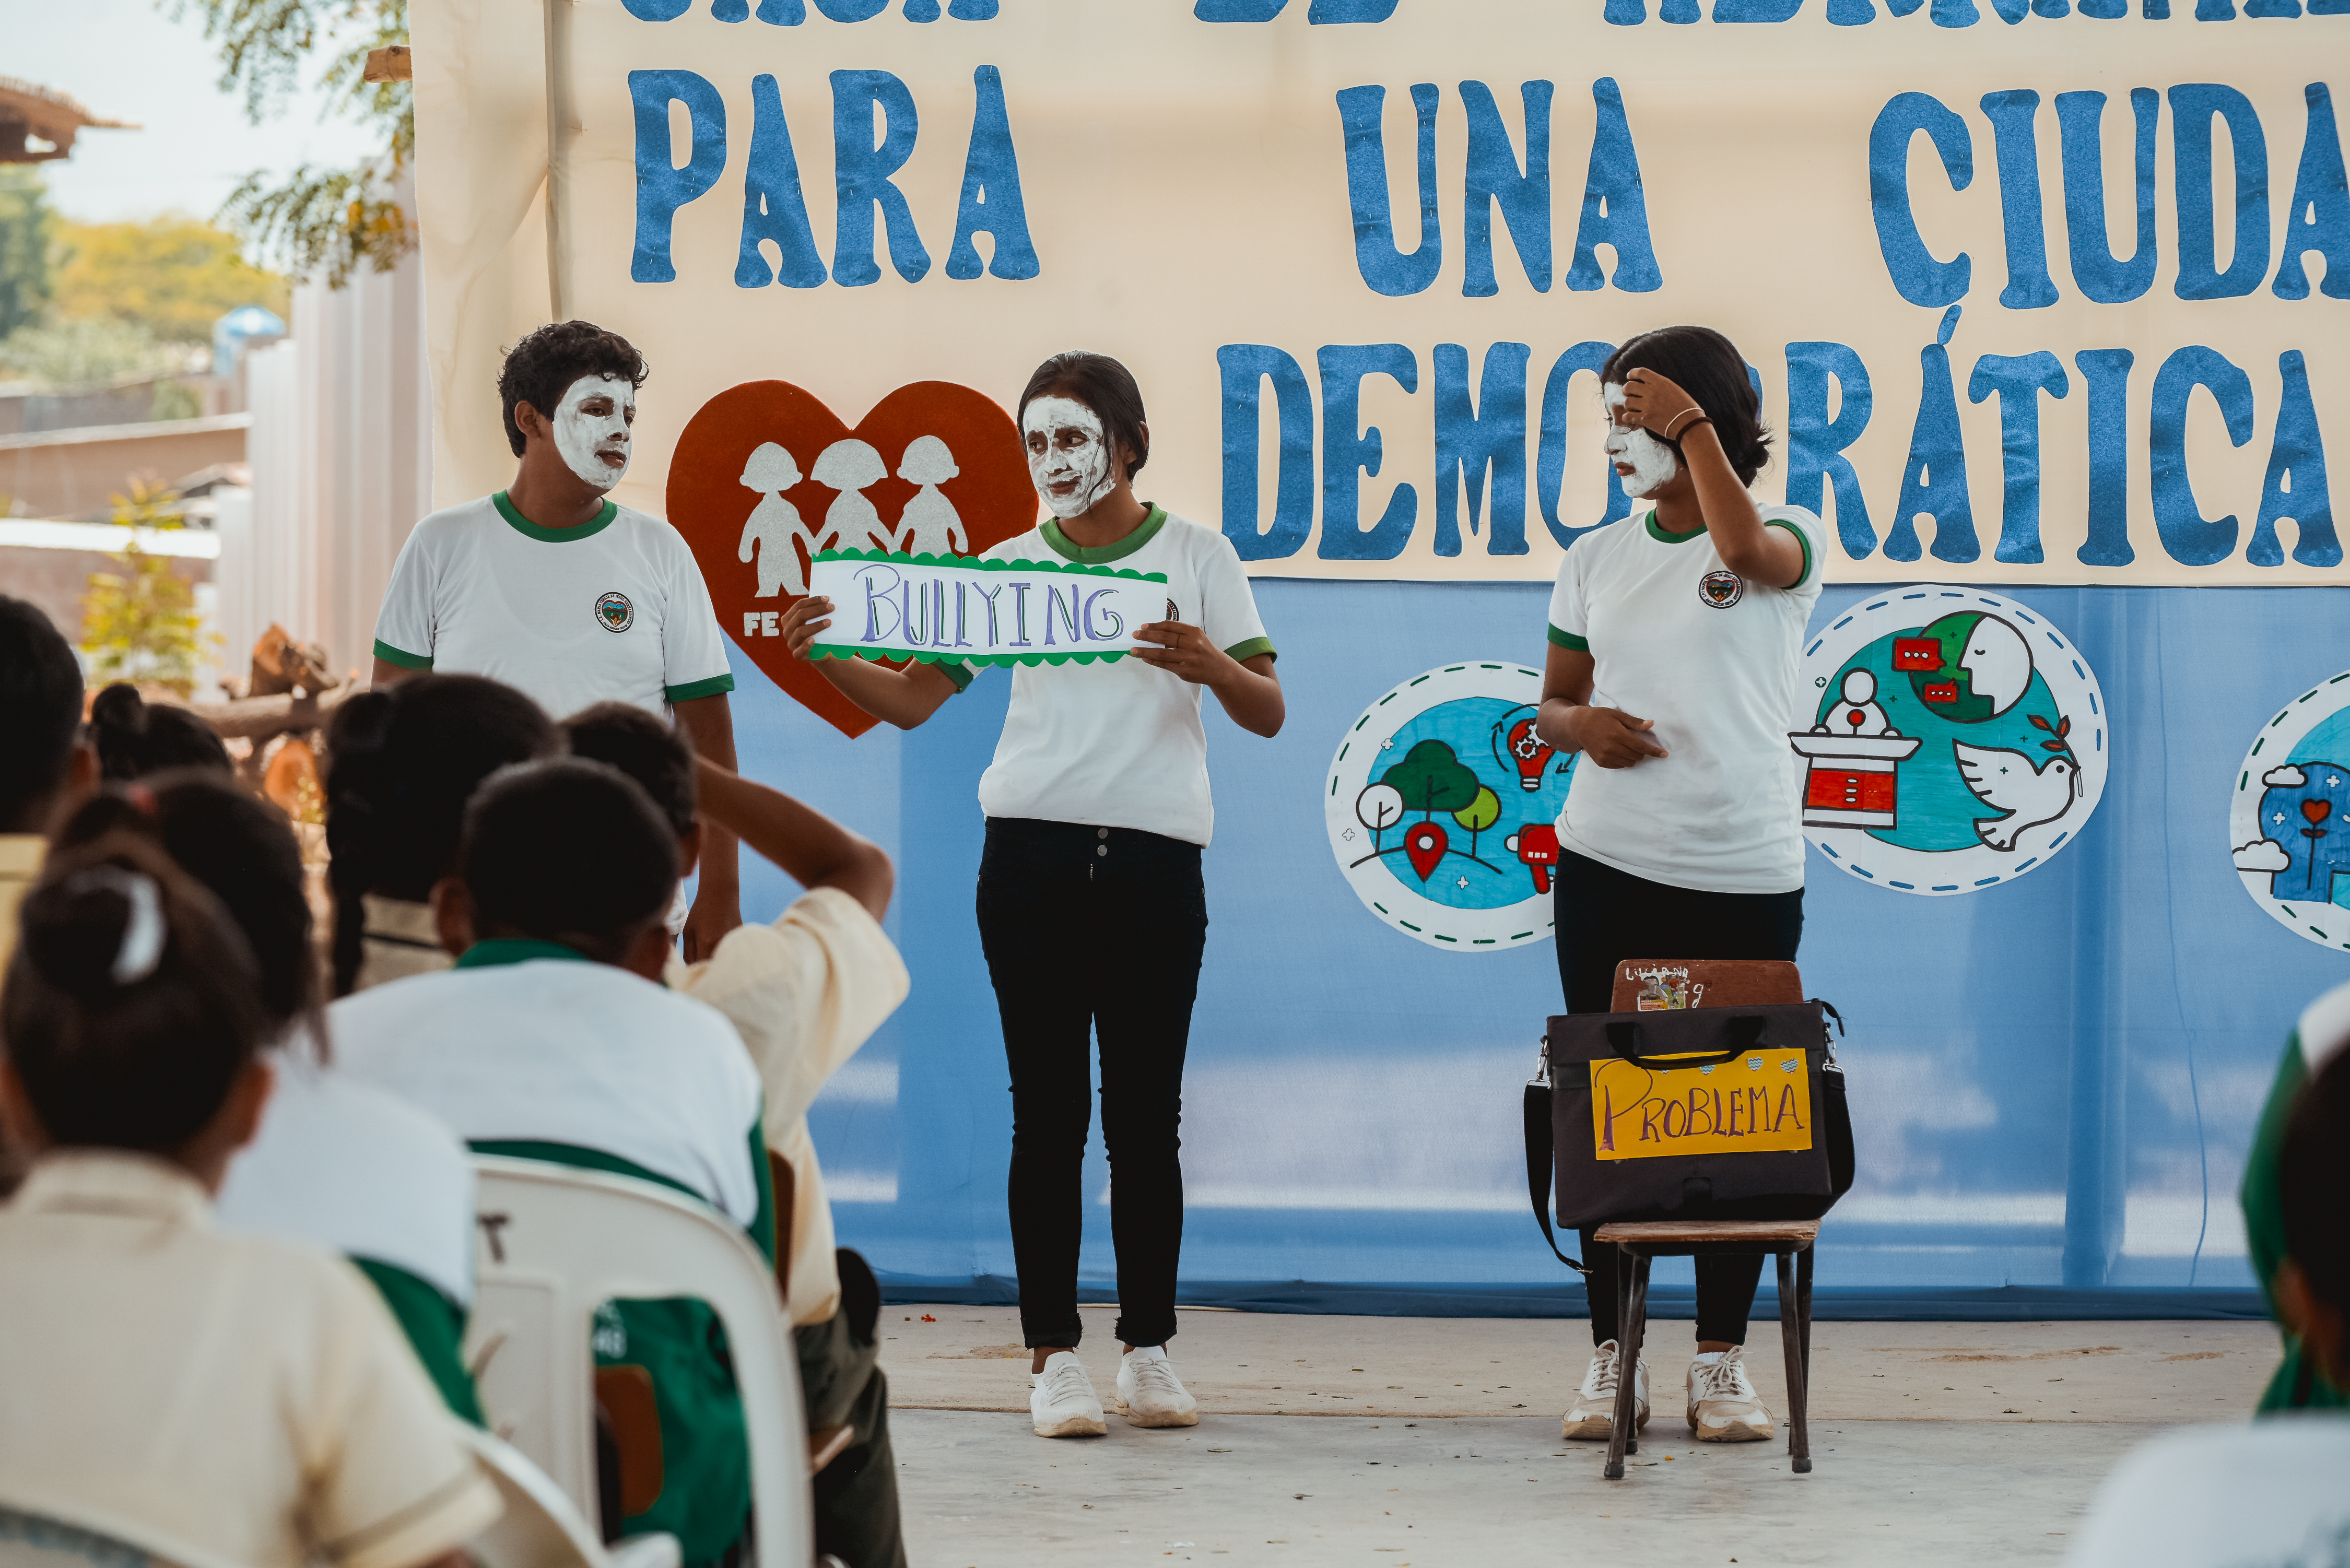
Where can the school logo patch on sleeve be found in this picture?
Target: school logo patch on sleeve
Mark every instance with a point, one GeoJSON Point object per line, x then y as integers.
{"type": "Point", "coordinates": [615, 613]}
{"type": "Point", "coordinates": [1721, 589]}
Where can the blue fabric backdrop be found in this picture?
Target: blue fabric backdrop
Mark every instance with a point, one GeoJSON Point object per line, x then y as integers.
{"type": "Point", "coordinates": [2053, 1081]}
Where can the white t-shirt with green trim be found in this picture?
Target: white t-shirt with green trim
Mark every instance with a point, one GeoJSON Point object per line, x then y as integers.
{"type": "Point", "coordinates": [514, 1048]}
{"type": "Point", "coordinates": [613, 610]}
{"type": "Point", "coordinates": [1121, 745]}
{"type": "Point", "coordinates": [1676, 637]}
{"type": "Point", "coordinates": [348, 1166]}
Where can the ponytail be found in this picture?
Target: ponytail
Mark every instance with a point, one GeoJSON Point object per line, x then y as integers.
{"type": "Point", "coordinates": [401, 765]}
{"type": "Point", "coordinates": [132, 1003]}
{"type": "Point", "coordinates": [133, 738]}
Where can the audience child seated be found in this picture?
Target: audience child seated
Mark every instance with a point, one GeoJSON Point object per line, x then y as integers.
{"type": "Point", "coordinates": [803, 993]}
{"type": "Point", "coordinates": [2320, 1037]}
{"type": "Point", "coordinates": [43, 768]}
{"type": "Point", "coordinates": [553, 1039]}
{"type": "Point", "coordinates": [401, 764]}
{"type": "Point", "coordinates": [134, 738]}
{"type": "Point", "coordinates": [2273, 1492]}
{"type": "Point", "coordinates": [232, 1398]}
{"type": "Point", "coordinates": [336, 1164]}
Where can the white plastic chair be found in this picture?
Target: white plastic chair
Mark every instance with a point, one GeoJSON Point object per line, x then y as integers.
{"type": "Point", "coordinates": [540, 1528]}
{"type": "Point", "coordinates": [555, 1241]}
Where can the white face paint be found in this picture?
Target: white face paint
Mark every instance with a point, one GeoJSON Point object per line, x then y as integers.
{"type": "Point", "coordinates": [1650, 461]}
{"type": "Point", "coordinates": [595, 445]}
{"type": "Point", "coordinates": [1069, 458]}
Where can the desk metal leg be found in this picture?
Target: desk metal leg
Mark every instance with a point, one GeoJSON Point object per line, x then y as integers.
{"type": "Point", "coordinates": [1790, 1340]}
{"type": "Point", "coordinates": [1804, 1307]}
{"type": "Point", "coordinates": [1619, 1431]}
{"type": "Point", "coordinates": [1637, 1269]}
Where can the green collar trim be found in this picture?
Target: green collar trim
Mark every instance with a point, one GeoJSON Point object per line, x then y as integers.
{"type": "Point", "coordinates": [1663, 538]}
{"type": "Point", "coordinates": [530, 530]}
{"type": "Point", "coordinates": [1095, 556]}
{"type": "Point", "coordinates": [517, 949]}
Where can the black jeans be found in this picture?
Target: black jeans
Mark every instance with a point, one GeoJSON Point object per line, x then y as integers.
{"type": "Point", "coordinates": [1606, 916]}
{"type": "Point", "coordinates": [1094, 931]}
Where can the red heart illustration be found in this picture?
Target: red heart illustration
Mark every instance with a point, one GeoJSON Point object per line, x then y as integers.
{"type": "Point", "coordinates": [2318, 811]}
{"type": "Point", "coordinates": [817, 505]}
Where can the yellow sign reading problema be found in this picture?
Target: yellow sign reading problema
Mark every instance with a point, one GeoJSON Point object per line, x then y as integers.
{"type": "Point", "coordinates": [1759, 1101]}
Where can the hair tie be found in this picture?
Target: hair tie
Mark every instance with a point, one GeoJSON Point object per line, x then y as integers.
{"type": "Point", "coordinates": [143, 931]}
{"type": "Point", "coordinates": [140, 797]}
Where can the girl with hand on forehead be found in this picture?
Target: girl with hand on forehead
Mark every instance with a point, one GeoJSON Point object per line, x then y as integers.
{"type": "Point", "coordinates": [1675, 635]}
{"type": "Point", "coordinates": [1097, 809]}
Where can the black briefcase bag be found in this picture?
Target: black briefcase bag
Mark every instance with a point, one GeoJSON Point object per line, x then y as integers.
{"type": "Point", "coordinates": [1711, 1112]}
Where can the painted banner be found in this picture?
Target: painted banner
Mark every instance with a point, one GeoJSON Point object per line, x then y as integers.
{"type": "Point", "coordinates": [897, 605]}
{"type": "Point", "coordinates": [2043, 292]}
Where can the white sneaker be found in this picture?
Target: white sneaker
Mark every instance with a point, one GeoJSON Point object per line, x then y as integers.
{"type": "Point", "coordinates": [1152, 1395]}
{"type": "Point", "coordinates": [1061, 1399]}
{"type": "Point", "coordinates": [1591, 1417]}
{"type": "Point", "coordinates": [1722, 1405]}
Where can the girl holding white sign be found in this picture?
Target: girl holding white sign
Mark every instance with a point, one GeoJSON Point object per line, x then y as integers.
{"type": "Point", "coordinates": [1674, 650]}
{"type": "Point", "coordinates": [1098, 808]}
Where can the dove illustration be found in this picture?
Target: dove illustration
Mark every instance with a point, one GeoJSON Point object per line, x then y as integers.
{"type": "Point", "coordinates": [2026, 795]}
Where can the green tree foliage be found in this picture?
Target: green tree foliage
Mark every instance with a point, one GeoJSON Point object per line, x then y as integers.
{"type": "Point", "coordinates": [1478, 815]}
{"type": "Point", "coordinates": [79, 352]}
{"type": "Point", "coordinates": [317, 220]}
{"type": "Point", "coordinates": [140, 624]}
{"type": "Point", "coordinates": [1430, 778]}
{"type": "Point", "coordinates": [26, 222]}
{"type": "Point", "coordinates": [173, 275]}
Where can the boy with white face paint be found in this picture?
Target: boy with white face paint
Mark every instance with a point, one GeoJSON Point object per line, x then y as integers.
{"type": "Point", "coordinates": [1674, 641]}
{"type": "Point", "coordinates": [554, 588]}
{"type": "Point", "coordinates": [1091, 908]}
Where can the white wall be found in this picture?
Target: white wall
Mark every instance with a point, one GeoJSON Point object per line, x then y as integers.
{"type": "Point", "coordinates": [341, 453]}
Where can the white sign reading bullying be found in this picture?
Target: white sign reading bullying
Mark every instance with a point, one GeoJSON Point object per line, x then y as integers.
{"type": "Point", "coordinates": [964, 611]}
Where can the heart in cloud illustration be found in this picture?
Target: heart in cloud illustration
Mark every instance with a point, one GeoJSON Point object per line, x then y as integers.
{"type": "Point", "coordinates": [766, 476]}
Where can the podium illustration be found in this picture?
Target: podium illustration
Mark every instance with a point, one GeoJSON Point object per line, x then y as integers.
{"type": "Point", "coordinates": [1852, 761]}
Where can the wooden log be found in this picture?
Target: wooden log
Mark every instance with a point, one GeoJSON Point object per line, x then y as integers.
{"type": "Point", "coordinates": [390, 65]}
{"type": "Point", "coordinates": [258, 719]}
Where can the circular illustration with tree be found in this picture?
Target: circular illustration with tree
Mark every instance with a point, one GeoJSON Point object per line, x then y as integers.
{"type": "Point", "coordinates": [1441, 806]}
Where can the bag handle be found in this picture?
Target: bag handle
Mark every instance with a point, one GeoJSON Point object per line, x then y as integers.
{"type": "Point", "coordinates": [1539, 1150]}
{"type": "Point", "coordinates": [1745, 1030]}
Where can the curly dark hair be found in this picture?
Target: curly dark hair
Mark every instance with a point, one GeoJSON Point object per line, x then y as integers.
{"type": "Point", "coordinates": [1710, 369]}
{"type": "Point", "coordinates": [542, 366]}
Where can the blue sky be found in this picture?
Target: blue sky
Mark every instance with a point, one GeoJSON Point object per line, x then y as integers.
{"type": "Point", "coordinates": [127, 59]}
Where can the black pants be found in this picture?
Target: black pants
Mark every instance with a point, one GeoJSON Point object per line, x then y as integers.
{"type": "Point", "coordinates": [1606, 916]}
{"type": "Point", "coordinates": [1094, 931]}
{"type": "Point", "coordinates": [856, 1496]}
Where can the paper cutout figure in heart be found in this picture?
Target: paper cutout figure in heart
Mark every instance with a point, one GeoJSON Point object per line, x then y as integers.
{"type": "Point", "coordinates": [765, 476]}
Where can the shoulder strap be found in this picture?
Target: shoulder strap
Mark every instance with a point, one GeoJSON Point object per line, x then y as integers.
{"type": "Point", "coordinates": [1538, 1158]}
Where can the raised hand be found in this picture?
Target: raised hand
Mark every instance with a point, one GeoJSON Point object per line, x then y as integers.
{"type": "Point", "coordinates": [1657, 402]}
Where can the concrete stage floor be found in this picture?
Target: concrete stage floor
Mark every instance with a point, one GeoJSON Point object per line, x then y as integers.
{"type": "Point", "coordinates": [1435, 1442]}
